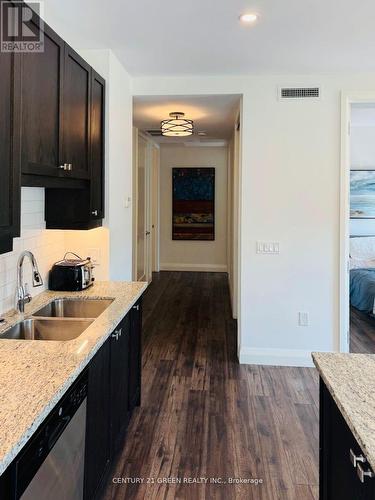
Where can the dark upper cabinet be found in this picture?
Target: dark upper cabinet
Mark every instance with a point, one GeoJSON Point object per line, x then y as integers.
{"type": "Point", "coordinates": [119, 383]}
{"type": "Point", "coordinates": [97, 128]}
{"type": "Point", "coordinates": [9, 171]}
{"type": "Point", "coordinates": [41, 77]}
{"type": "Point", "coordinates": [59, 133]}
{"type": "Point", "coordinates": [135, 355]}
{"type": "Point", "coordinates": [76, 114]}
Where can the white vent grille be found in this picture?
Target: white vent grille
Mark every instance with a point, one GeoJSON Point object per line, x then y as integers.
{"type": "Point", "coordinates": [299, 93]}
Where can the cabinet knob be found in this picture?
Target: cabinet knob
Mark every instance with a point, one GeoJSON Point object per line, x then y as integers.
{"type": "Point", "coordinates": [69, 167]}
{"type": "Point", "coordinates": [136, 307]}
{"type": "Point", "coordinates": [94, 212]}
{"type": "Point", "coordinates": [356, 458]}
{"type": "Point", "coordinates": [362, 474]}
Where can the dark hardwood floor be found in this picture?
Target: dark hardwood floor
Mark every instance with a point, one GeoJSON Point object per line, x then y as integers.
{"type": "Point", "coordinates": [205, 416]}
{"type": "Point", "coordinates": [362, 332]}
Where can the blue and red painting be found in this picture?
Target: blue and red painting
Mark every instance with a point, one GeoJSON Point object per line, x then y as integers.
{"type": "Point", "coordinates": [193, 204]}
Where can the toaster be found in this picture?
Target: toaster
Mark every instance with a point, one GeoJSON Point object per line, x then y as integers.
{"type": "Point", "coordinates": [71, 275]}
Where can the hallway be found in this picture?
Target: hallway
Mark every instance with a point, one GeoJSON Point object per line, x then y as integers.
{"type": "Point", "coordinates": [205, 416]}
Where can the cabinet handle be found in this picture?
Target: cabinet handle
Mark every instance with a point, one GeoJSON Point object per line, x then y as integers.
{"type": "Point", "coordinates": [362, 474]}
{"type": "Point", "coordinates": [355, 459]}
{"type": "Point", "coordinates": [66, 167]}
{"type": "Point", "coordinates": [117, 334]}
{"type": "Point", "coordinates": [94, 212]}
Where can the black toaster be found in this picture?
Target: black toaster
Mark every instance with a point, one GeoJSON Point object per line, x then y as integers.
{"type": "Point", "coordinates": [71, 275]}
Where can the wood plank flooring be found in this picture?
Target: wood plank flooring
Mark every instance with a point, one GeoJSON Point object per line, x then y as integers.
{"type": "Point", "coordinates": [205, 416]}
{"type": "Point", "coordinates": [362, 332]}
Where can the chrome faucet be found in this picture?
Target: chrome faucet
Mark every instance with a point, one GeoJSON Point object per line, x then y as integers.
{"type": "Point", "coordinates": [22, 294]}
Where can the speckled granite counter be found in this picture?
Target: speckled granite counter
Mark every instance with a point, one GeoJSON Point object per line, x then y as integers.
{"type": "Point", "coordinates": [350, 378]}
{"type": "Point", "coordinates": [35, 374]}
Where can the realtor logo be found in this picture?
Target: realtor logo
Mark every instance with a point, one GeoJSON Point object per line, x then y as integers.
{"type": "Point", "coordinates": [21, 27]}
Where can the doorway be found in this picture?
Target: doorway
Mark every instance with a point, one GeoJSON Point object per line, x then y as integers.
{"type": "Point", "coordinates": [357, 226]}
{"type": "Point", "coordinates": [215, 143]}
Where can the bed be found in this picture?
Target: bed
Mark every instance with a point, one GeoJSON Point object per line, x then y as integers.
{"type": "Point", "coordinates": [362, 274]}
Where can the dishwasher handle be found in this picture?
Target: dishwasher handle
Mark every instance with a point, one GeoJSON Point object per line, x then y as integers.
{"type": "Point", "coordinates": [56, 433]}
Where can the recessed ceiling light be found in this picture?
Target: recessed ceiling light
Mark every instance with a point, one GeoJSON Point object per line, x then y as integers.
{"type": "Point", "coordinates": [249, 18]}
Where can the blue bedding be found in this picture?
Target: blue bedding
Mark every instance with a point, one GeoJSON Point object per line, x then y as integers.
{"type": "Point", "coordinates": [362, 289]}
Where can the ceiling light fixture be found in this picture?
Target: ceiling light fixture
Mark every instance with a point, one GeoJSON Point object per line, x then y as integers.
{"type": "Point", "coordinates": [177, 125]}
{"type": "Point", "coordinates": [249, 18]}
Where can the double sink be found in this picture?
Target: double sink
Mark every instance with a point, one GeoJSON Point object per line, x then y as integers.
{"type": "Point", "coordinates": [61, 320]}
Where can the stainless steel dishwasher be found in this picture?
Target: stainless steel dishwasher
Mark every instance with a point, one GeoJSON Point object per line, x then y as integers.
{"type": "Point", "coordinates": [51, 467]}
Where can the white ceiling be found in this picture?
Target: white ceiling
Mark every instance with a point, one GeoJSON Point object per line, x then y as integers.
{"type": "Point", "coordinates": [205, 37]}
{"type": "Point", "coordinates": [214, 114]}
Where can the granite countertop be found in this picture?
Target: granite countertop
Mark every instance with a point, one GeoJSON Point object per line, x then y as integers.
{"type": "Point", "coordinates": [34, 375]}
{"type": "Point", "coordinates": [350, 378]}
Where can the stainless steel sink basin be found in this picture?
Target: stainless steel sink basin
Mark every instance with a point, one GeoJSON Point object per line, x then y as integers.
{"type": "Point", "coordinates": [74, 308]}
{"type": "Point", "coordinates": [47, 329]}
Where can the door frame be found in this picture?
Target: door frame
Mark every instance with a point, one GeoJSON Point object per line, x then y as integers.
{"type": "Point", "coordinates": [347, 99]}
{"type": "Point", "coordinates": [149, 215]}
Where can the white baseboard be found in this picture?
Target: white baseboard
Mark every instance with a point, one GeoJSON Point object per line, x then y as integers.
{"type": "Point", "coordinates": [275, 357]}
{"type": "Point", "coordinates": [208, 268]}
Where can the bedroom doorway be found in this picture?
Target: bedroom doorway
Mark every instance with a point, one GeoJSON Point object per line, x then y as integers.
{"type": "Point", "coordinates": [357, 230]}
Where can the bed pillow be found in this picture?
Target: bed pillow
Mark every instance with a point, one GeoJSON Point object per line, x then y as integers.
{"type": "Point", "coordinates": [362, 248]}
{"type": "Point", "coordinates": [362, 263]}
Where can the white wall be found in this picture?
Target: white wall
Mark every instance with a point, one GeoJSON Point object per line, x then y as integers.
{"type": "Point", "coordinates": [47, 246]}
{"type": "Point", "coordinates": [193, 255]}
{"type": "Point", "coordinates": [290, 193]}
{"type": "Point", "coordinates": [362, 156]}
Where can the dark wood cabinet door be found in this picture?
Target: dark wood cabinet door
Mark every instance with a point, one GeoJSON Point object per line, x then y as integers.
{"type": "Point", "coordinates": [76, 114]}
{"type": "Point", "coordinates": [135, 355]}
{"type": "Point", "coordinates": [97, 127]}
{"type": "Point", "coordinates": [119, 383]}
{"type": "Point", "coordinates": [338, 477]}
{"type": "Point", "coordinates": [9, 171]}
{"type": "Point", "coordinates": [40, 77]}
{"type": "Point", "coordinates": [97, 426]}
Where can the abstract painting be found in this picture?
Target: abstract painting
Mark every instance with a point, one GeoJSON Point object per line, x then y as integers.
{"type": "Point", "coordinates": [362, 194]}
{"type": "Point", "coordinates": [193, 204]}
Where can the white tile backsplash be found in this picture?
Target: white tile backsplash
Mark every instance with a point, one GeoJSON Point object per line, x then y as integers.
{"type": "Point", "coordinates": [48, 246]}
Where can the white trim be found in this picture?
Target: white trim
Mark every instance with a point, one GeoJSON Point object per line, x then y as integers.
{"type": "Point", "coordinates": [208, 268]}
{"type": "Point", "coordinates": [347, 98]}
{"type": "Point", "coordinates": [275, 357]}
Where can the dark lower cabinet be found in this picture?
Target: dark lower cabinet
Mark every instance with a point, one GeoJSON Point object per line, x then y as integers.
{"type": "Point", "coordinates": [97, 454]}
{"type": "Point", "coordinates": [341, 458]}
{"type": "Point", "coordinates": [135, 355]}
{"type": "Point", "coordinates": [119, 383]}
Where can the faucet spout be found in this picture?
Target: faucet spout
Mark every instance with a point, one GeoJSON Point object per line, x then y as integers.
{"type": "Point", "coordinates": [22, 294]}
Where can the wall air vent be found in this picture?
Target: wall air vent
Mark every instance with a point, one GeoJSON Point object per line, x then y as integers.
{"type": "Point", "coordinates": [299, 93]}
{"type": "Point", "coordinates": [155, 132]}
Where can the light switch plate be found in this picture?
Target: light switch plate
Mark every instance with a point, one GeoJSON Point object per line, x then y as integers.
{"type": "Point", "coordinates": [268, 247]}
{"type": "Point", "coordinates": [303, 318]}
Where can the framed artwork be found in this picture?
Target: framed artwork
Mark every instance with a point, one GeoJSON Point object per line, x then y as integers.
{"type": "Point", "coordinates": [193, 204]}
{"type": "Point", "coordinates": [362, 194]}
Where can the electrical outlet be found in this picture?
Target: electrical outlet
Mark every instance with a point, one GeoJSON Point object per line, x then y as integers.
{"type": "Point", "coordinates": [268, 247]}
{"type": "Point", "coordinates": [303, 319]}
